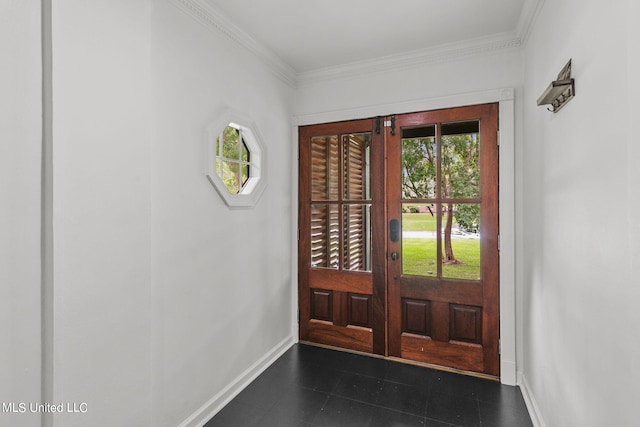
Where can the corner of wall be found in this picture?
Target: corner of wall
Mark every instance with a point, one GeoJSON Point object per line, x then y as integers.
{"type": "Point", "coordinates": [217, 402]}
{"type": "Point", "coordinates": [530, 401]}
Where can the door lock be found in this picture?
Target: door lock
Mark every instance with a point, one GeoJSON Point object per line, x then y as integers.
{"type": "Point", "coordinates": [394, 256]}
{"type": "Point", "coordinates": [394, 230]}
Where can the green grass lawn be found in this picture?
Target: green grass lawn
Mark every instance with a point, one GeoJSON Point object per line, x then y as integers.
{"type": "Point", "coordinates": [419, 222]}
{"type": "Point", "coordinates": [419, 254]}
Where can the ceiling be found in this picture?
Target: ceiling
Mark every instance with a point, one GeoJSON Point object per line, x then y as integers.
{"type": "Point", "coordinates": [315, 35]}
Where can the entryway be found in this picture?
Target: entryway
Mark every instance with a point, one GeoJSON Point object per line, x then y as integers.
{"type": "Point", "coordinates": [398, 236]}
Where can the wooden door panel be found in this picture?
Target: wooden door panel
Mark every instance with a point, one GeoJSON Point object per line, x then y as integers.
{"type": "Point", "coordinates": [360, 307]}
{"type": "Point", "coordinates": [345, 281]}
{"type": "Point", "coordinates": [466, 357]}
{"type": "Point", "coordinates": [351, 338]}
{"type": "Point", "coordinates": [416, 317]}
{"type": "Point", "coordinates": [465, 323]}
{"type": "Point", "coordinates": [322, 305]}
{"type": "Point", "coordinates": [443, 310]}
{"type": "Point", "coordinates": [348, 323]}
{"type": "Point", "coordinates": [341, 251]}
{"type": "Point", "coordinates": [457, 292]}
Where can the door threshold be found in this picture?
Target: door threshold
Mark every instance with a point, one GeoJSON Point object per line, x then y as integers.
{"type": "Point", "coordinates": [444, 368]}
{"type": "Point", "coordinates": [405, 361]}
{"type": "Point", "coordinates": [343, 350]}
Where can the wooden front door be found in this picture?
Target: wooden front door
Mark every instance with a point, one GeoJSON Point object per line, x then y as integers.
{"type": "Point", "coordinates": [398, 250]}
{"type": "Point", "coordinates": [341, 235]}
{"type": "Point", "coordinates": [442, 197]}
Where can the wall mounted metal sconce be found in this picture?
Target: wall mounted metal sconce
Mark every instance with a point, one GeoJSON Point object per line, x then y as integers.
{"type": "Point", "coordinates": [560, 91]}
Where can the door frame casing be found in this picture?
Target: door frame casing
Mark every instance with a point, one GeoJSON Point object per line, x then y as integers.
{"type": "Point", "coordinates": [506, 195]}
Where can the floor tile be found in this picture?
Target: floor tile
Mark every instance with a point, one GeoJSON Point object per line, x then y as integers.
{"type": "Point", "coordinates": [455, 410]}
{"type": "Point", "coordinates": [495, 415]}
{"type": "Point", "coordinates": [236, 415]}
{"type": "Point", "coordinates": [299, 404]}
{"type": "Point", "coordinates": [282, 374]}
{"type": "Point", "coordinates": [454, 384]}
{"type": "Point", "coordinates": [339, 412]}
{"type": "Point", "coordinates": [502, 395]}
{"type": "Point", "coordinates": [319, 378]}
{"type": "Point", "coordinates": [358, 387]}
{"type": "Point", "coordinates": [429, 422]}
{"type": "Point", "coordinates": [289, 365]}
{"type": "Point", "coordinates": [337, 360]}
{"type": "Point", "coordinates": [403, 398]}
{"type": "Point", "coordinates": [408, 374]}
{"type": "Point", "coordinates": [382, 417]}
{"type": "Point", "coordinates": [273, 420]}
{"type": "Point", "coordinates": [368, 366]}
{"type": "Point", "coordinates": [259, 395]}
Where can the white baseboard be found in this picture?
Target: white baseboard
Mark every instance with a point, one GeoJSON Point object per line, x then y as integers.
{"type": "Point", "coordinates": [217, 402]}
{"type": "Point", "coordinates": [508, 373]}
{"type": "Point", "coordinates": [530, 401]}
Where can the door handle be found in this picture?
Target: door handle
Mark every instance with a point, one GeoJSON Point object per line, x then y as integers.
{"type": "Point", "coordinates": [394, 256]}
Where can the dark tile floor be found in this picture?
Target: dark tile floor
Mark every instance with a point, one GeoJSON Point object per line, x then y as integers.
{"type": "Point", "coordinates": [312, 386]}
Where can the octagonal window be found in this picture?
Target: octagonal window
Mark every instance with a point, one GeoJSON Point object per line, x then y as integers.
{"type": "Point", "coordinates": [235, 159]}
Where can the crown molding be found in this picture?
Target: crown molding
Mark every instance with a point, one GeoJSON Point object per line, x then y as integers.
{"type": "Point", "coordinates": [206, 14]}
{"type": "Point", "coordinates": [407, 60]}
{"type": "Point", "coordinates": [442, 53]}
{"type": "Point", "coordinates": [214, 19]}
{"type": "Point", "coordinates": [530, 11]}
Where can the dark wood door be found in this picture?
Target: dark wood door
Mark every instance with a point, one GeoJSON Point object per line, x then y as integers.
{"type": "Point", "coordinates": [398, 236]}
{"type": "Point", "coordinates": [442, 200]}
{"type": "Point", "coordinates": [341, 236]}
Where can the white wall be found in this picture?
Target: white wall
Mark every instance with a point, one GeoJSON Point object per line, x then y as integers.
{"type": "Point", "coordinates": [221, 277]}
{"type": "Point", "coordinates": [101, 194]}
{"type": "Point", "coordinates": [20, 149]}
{"type": "Point", "coordinates": [163, 296]}
{"type": "Point", "coordinates": [581, 323]}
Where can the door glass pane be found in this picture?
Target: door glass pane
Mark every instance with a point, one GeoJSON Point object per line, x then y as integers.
{"type": "Point", "coordinates": [325, 236]}
{"type": "Point", "coordinates": [461, 241]}
{"type": "Point", "coordinates": [419, 162]}
{"type": "Point", "coordinates": [460, 152]}
{"type": "Point", "coordinates": [356, 171]}
{"type": "Point", "coordinates": [357, 238]}
{"type": "Point", "coordinates": [419, 240]}
{"type": "Point", "coordinates": [324, 168]}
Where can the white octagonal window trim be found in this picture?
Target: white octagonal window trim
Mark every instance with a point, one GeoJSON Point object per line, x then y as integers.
{"type": "Point", "coordinates": [235, 159]}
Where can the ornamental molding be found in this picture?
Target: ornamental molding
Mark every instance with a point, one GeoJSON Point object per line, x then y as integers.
{"type": "Point", "coordinates": [416, 58]}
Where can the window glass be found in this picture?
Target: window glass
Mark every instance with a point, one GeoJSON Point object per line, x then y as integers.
{"type": "Point", "coordinates": [232, 159]}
